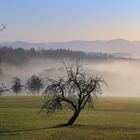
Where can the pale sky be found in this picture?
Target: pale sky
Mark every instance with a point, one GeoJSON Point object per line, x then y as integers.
{"type": "Point", "coordinates": [64, 20]}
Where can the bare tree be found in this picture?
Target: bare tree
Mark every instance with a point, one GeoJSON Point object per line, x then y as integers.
{"type": "Point", "coordinates": [3, 89]}
{"type": "Point", "coordinates": [34, 84]}
{"type": "Point", "coordinates": [3, 26]}
{"type": "Point", "coordinates": [17, 86]}
{"type": "Point", "coordinates": [75, 91]}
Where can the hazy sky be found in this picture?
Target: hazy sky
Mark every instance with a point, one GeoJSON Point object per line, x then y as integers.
{"type": "Point", "coordinates": [63, 20]}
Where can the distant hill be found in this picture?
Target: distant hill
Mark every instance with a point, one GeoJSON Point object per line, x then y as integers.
{"type": "Point", "coordinates": [116, 46]}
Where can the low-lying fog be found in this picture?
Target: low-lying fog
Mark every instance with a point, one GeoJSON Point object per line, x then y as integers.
{"type": "Point", "coordinates": [122, 77]}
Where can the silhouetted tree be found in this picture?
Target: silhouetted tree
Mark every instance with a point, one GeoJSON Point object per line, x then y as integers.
{"type": "Point", "coordinates": [75, 91]}
{"type": "Point", "coordinates": [34, 84]}
{"type": "Point", "coordinates": [17, 86]}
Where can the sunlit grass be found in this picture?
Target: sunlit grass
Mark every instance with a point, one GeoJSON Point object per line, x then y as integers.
{"type": "Point", "coordinates": [112, 118]}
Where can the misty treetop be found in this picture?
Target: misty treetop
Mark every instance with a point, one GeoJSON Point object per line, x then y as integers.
{"type": "Point", "coordinates": [34, 84]}
{"type": "Point", "coordinates": [17, 86]}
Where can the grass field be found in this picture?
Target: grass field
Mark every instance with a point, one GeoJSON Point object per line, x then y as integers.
{"type": "Point", "coordinates": [112, 119]}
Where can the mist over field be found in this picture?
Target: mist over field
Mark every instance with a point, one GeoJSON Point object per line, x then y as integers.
{"type": "Point", "coordinates": [122, 76]}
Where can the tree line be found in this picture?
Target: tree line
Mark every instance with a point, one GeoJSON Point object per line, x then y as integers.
{"type": "Point", "coordinates": [19, 56]}
{"type": "Point", "coordinates": [34, 84]}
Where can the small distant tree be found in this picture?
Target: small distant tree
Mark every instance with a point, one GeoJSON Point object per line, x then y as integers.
{"type": "Point", "coordinates": [34, 84]}
{"type": "Point", "coordinates": [76, 91]}
{"type": "Point", "coordinates": [17, 86]}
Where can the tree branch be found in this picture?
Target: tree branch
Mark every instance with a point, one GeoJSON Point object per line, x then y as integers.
{"type": "Point", "coordinates": [3, 27]}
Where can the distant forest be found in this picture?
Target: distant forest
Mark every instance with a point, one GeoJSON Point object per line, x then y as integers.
{"type": "Point", "coordinates": [19, 56]}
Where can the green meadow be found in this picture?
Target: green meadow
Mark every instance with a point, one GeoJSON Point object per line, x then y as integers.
{"type": "Point", "coordinates": [112, 119]}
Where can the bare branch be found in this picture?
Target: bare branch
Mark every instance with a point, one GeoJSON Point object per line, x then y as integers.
{"type": "Point", "coordinates": [3, 27]}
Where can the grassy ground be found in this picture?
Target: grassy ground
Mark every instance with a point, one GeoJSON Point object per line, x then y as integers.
{"type": "Point", "coordinates": [112, 118]}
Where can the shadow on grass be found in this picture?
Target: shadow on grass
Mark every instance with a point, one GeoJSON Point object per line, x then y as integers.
{"type": "Point", "coordinates": [31, 129]}
{"type": "Point", "coordinates": [98, 127]}
{"type": "Point", "coordinates": [81, 126]}
{"type": "Point", "coordinates": [22, 130]}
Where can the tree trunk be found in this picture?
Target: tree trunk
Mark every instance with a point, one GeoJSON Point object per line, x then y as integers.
{"type": "Point", "coordinates": [73, 118]}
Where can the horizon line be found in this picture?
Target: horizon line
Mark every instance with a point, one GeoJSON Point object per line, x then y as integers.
{"type": "Point", "coordinates": [73, 40]}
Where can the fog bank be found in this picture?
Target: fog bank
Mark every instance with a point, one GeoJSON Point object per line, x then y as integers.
{"type": "Point", "coordinates": [122, 77]}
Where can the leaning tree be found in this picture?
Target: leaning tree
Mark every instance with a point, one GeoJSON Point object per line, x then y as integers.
{"type": "Point", "coordinates": [76, 90]}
